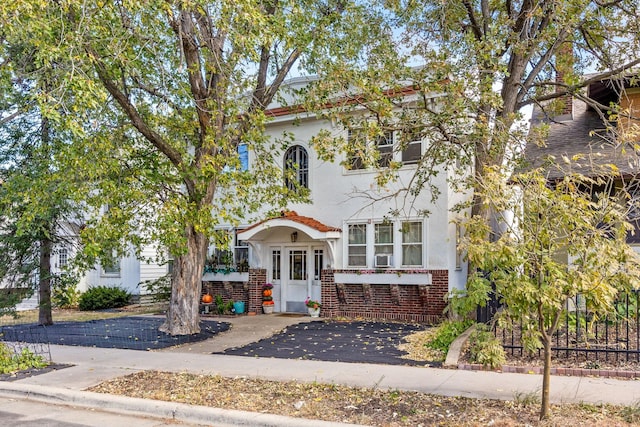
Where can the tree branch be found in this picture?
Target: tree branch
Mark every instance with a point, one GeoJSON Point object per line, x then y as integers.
{"type": "Point", "coordinates": [137, 120]}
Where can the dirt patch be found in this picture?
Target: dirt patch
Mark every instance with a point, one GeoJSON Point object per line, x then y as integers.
{"type": "Point", "coordinates": [330, 402]}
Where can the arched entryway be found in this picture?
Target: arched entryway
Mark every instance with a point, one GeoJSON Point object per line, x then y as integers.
{"type": "Point", "coordinates": [293, 250]}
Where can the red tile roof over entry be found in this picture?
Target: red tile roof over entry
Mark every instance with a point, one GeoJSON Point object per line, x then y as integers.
{"type": "Point", "coordinates": [305, 220]}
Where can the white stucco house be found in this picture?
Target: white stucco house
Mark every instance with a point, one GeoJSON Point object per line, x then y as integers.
{"type": "Point", "coordinates": [341, 248]}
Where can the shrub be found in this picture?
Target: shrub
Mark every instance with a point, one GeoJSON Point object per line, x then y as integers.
{"type": "Point", "coordinates": [223, 307]}
{"type": "Point", "coordinates": [485, 348]}
{"type": "Point", "coordinates": [103, 297]}
{"type": "Point", "coordinates": [10, 362]}
{"type": "Point", "coordinates": [159, 289]}
{"type": "Point", "coordinates": [64, 291]}
{"type": "Point", "coordinates": [447, 332]}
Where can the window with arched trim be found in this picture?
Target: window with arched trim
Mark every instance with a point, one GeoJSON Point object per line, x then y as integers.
{"type": "Point", "coordinates": [296, 166]}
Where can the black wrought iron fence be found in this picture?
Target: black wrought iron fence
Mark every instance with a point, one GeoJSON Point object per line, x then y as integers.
{"type": "Point", "coordinates": [586, 337]}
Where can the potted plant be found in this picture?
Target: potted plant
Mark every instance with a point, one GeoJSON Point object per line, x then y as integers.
{"type": "Point", "coordinates": [313, 307]}
{"type": "Point", "coordinates": [267, 298]}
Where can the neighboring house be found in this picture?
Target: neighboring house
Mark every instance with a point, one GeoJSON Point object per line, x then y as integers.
{"type": "Point", "coordinates": [127, 272]}
{"type": "Point", "coordinates": [580, 132]}
{"type": "Point", "coordinates": [341, 248]}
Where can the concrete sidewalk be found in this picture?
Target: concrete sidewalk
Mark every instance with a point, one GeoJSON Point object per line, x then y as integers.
{"type": "Point", "coordinates": [93, 365]}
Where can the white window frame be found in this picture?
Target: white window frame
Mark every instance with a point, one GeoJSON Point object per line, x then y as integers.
{"type": "Point", "coordinates": [388, 148]}
{"type": "Point", "coordinates": [357, 245]}
{"type": "Point", "coordinates": [114, 271]}
{"type": "Point", "coordinates": [416, 140]}
{"type": "Point", "coordinates": [372, 247]}
{"type": "Point", "coordinates": [404, 243]}
{"type": "Point", "coordinates": [377, 246]}
{"type": "Point", "coordinates": [63, 257]}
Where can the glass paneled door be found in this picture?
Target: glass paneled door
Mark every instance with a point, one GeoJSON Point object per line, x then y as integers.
{"type": "Point", "coordinates": [297, 286]}
{"type": "Point", "coordinates": [276, 278]}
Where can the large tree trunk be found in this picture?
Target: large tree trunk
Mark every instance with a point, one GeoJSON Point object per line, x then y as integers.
{"type": "Point", "coordinates": [183, 317]}
{"type": "Point", "coordinates": [44, 284]}
{"type": "Point", "coordinates": [546, 379]}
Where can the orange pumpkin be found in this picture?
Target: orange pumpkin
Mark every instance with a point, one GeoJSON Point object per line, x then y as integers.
{"type": "Point", "coordinates": [207, 299]}
{"type": "Point", "coordinates": [267, 292]}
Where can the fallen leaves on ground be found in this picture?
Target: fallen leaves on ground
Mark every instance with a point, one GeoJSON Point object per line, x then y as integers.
{"type": "Point", "coordinates": [338, 403]}
{"type": "Point", "coordinates": [416, 347]}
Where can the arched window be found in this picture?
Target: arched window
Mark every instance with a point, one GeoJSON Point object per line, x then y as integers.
{"type": "Point", "coordinates": [296, 167]}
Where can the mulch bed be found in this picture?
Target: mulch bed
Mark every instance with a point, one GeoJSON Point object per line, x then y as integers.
{"type": "Point", "coordinates": [134, 332]}
{"type": "Point", "coordinates": [354, 341]}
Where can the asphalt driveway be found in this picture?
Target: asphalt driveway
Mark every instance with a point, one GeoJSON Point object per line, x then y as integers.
{"type": "Point", "coordinates": [349, 341]}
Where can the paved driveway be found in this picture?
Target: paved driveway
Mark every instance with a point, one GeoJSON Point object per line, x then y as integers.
{"type": "Point", "coordinates": [352, 341]}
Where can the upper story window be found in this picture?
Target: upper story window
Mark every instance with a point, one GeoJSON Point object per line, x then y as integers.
{"type": "Point", "coordinates": [411, 145]}
{"type": "Point", "coordinates": [405, 147]}
{"type": "Point", "coordinates": [296, 166]}
{"type": "Point", "coordinates": [355, 141]}
{"type": "Point", "coordinates": [384, 145]}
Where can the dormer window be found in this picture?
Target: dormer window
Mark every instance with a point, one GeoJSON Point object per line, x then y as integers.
{"type": "Point", "coordinates": [296, 167]}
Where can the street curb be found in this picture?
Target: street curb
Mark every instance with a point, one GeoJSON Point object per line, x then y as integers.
{"type": "Point", "coordinates": [156, 408]}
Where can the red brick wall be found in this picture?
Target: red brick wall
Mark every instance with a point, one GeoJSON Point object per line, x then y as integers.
{"type": "Point", "coordinates": [414, 303]}
{"type": "Point", "coordinates": [257, 278]}
{"type": "Point", "coordinates": [393, 302]}
{"type": "Point", "coordinates": [249, 292]}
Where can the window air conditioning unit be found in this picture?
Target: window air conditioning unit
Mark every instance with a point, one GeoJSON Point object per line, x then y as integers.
{"type": "Point", "coordinates": [383, 260]}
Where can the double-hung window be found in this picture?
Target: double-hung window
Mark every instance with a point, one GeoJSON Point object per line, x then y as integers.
{"type": "Point", "coordinates": [412, 243]}
{"type": "Point", "coordinates": [357, 245]}
{"type": "Point", "coordinates": [383, 244]}
{"type": "Point", "coordinates": [356, 144]}
{"type": "Point", "coordinates": [384, 145]}
{"type": "Point", "coordinates": [403, 146]}
{"type": "Point", "coordinates": [63, 257]}
{"type": "Point", "coordinates": [411, 145]}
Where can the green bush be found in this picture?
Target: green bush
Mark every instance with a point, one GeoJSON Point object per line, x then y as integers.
{"type": "Point", "coordinates": [10, 362]}
{"type": "Point", "coordinates": [447, 332]}
{"type": "Point", "coordinates": [103, 297]}
{"type": "Point", "coordinates": [159, 289]}
{"type": "Point", "coordinates": [221, 306]}
{"type": "Point", "coordinates": [64, 291]}
{"type": "Point", "coordinates": [485, 348]}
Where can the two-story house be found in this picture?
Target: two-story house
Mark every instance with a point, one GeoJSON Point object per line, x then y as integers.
{"type": "Point", "coordinates": [344, 249]}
